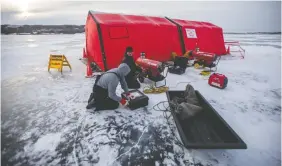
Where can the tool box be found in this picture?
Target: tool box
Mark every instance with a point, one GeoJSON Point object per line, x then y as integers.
{"type": "Point", "coordinates": [136, 99]}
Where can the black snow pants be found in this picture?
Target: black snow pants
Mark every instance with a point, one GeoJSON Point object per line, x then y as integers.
{"type": "Point", "coordinates": [132, 82]}
{"type": "Point", "coordinates": [102, 100]}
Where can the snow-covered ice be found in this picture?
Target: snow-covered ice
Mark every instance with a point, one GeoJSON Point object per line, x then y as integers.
{"type": "Point", "coordinates": [44, 120]}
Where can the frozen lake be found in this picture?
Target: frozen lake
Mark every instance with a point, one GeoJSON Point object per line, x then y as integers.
{"type": "Point", "coordinates": [44, 120]}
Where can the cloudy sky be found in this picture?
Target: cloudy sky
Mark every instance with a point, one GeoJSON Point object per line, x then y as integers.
{"type": "Point", "coordinates": [236, 16]}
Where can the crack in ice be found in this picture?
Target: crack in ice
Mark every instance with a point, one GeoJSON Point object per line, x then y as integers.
{"type": "Point", "coordinates": [131, 147]}
{"type": "Point", "coordinates": [74, 144]}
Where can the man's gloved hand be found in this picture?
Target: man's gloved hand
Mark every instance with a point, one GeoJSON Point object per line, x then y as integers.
{"type": "Point", "coordinates": [123, 102]}
{"type": "Point", "coordinates": [127, 93]}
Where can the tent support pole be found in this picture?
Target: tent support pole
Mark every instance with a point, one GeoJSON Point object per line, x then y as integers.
{"type": "Point", "coordinates": [101, 41]}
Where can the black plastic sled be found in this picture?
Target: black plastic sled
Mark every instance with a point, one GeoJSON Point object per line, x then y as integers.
{"type": "Point", "coordinates": [206, 130]}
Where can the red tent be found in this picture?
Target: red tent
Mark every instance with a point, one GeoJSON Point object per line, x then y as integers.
{"type": "Point", "coordinates": [107, 36]}
{"type": "Point", "coordinates": [206, 36]}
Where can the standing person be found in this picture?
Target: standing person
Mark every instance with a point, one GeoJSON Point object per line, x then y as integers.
{"type": "Point", "coordinates": [104, 95]}
{"type": "Point", "coordinates": [131, 78]}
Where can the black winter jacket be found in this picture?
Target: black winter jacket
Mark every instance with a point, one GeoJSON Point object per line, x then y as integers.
{"type": "Point", "coordinates": [133, 68]}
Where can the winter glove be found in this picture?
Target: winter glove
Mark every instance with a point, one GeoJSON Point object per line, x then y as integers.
{"type": "Point", "coordinates": [123, 102]}
{"type": "Point", "coordinates": [127, 95]}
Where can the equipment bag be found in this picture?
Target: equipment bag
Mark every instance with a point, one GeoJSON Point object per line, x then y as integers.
{"type": "Point", "coordinates": [189, 106]}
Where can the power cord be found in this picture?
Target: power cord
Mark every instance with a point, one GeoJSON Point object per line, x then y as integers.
{"type": "Point", "coordinates": [182, 83]}
{"type": "Point", "coordinates": [178, 142]}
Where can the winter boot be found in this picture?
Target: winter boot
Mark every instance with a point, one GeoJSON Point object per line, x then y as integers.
{"type": "Point", "coordinates": [91, 104]}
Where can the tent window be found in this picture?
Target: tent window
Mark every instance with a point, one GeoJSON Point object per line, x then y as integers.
{"type": "Point", "coordinates": [118, 32]}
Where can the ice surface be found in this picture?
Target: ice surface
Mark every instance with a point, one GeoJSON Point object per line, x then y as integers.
{"type": "Point", "coordinates": [44, 120]}
{"type": "Point", "coordinates": [47, 142]}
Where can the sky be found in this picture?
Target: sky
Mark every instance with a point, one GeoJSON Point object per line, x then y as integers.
{"type": "Point", "coordinates": [232, 16]}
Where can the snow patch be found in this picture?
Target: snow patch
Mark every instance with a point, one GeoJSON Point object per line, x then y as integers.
{"type": "Point", "coordinates": [47, 142]}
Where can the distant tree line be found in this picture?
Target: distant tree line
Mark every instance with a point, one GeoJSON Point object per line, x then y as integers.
{"type": "Point", "coordinates": [68, 29]}
{"type": "Point", "coordinates": [266, 33]}
{"type": "Point", "coordinates": [41, 29]}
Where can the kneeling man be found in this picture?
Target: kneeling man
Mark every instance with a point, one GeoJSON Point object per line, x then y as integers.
{"type": "Point", "coordinates": [104, 95]}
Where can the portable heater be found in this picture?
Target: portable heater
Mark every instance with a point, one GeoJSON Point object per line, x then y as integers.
{"type": "Point", "coordinates": [151, 69]}
{"type": "Point", "coordinates": [205, 59]}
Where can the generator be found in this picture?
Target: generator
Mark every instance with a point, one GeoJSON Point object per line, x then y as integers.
{"type": "Point", "coordinates": [136, 99]}
{"type": "Point", "coordinates": [218, 80]}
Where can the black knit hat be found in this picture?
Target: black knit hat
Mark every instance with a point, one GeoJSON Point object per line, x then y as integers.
{"type": "Point", "coordinates": [129, 49]}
